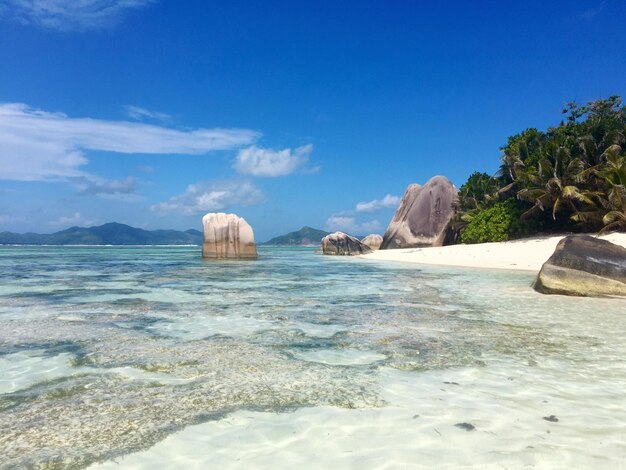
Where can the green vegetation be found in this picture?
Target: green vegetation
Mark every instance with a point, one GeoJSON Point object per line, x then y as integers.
{"type": "Point", "coordinates": [499, 223]}
{"type": "Point", "coordinates": [304, 236]}
{"type": "Point", "coordinates": [571, 178]}
{"type": "Point", "coordinates": [107, 234]}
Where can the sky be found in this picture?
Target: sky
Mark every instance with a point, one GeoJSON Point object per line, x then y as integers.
{"type": "Point", "coordinates": [320, 113]}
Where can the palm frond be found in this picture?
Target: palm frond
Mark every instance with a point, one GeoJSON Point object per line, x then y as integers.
{"type": "Point", "coordinates": [614, 216]}
{"type": "Point", "coordinates": [587, 217]}
{"type": "Point", "coordinates": [573, 193]}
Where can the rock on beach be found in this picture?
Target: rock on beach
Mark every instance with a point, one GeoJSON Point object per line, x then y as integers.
{"type": "Point", "coordinates": [373, 241]}
{"type": "Point", "coordinates": [583, 265]}
{"type": "Point", "coordinates": [423, 217]}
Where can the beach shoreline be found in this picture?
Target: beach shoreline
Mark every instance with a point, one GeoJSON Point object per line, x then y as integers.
{"type": "Point", "coordinates": [527, 254]}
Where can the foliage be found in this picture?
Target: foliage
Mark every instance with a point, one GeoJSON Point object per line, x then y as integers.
{"type": "Point", "coordinates": [477, 192]}
{"type": "Point", "coordinates": [572, 176]}
{"type": "Point", "coordinates": [107, 234]}
{"type": "Point", "coordinates": [476, 195]}
{"type": "Point", "coordinates": [501, 222]}
{"type": "Point", "coordinates": [304, 236]}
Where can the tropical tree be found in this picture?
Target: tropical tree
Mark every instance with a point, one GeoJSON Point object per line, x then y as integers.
{"type": "Point", "coordinates": [475, 195]}
{"type": "Point", "coordinates": [478, 191]}
{"type": "Point", "coordinates": [612, 172]}
{"type": "Point", "coordinates": [555, 186]}
{"type": "Point", "coordinates": [570, 177]}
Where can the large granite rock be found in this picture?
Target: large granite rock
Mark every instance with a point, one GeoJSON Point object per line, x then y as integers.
{"type": "Point", "coordinates": [227, 236]}
{"type": "Point", "coordinates": [423, 217]}
{"type": "Point", "coordinates": [585, 266]}
{"type": "Point", "coordinates": [373, 241]}
{"type": "Point", "coordinates": [340, 243]}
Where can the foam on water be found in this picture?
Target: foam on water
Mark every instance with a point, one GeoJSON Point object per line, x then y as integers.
{"type": "Point", "coordinates": [154, 359]}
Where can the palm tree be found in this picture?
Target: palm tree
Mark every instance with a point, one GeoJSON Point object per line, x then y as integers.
{"type": "Point", "coordinates": [553, 186]}
{"type": "Point", "coordinates": [612, 172]}
{"type": "Point", "coordinates": [573, 173]}
{"type": "Point", "coordinates": [475, 195]}
{"type": "Point", "coordinates": [521, 150]}
{"type": "Point", "coordinates": [616, 219]}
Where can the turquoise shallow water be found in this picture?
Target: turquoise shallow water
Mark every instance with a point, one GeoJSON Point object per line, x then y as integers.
{"type": "Point", "coordinates": [111, 351]}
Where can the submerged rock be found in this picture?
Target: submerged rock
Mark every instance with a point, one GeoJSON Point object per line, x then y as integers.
{"type": "Point", "coordinates": [373, 241]}
{"type": "Point", "coordinates": [340, 243]}
{"type": "Point", "coordinates": [551, 418]}
{"type": "Point", "coordinates": [585, 266]}
{"type": "Point", "coordinates": [227, 236]}
{"type": "Point", "coordinates": [423, 217]}
{"type": "Point", "coordinates": [466, 426]}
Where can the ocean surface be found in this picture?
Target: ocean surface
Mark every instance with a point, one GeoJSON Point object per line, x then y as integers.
{"type": "Point", "coordinates": [150, 357]}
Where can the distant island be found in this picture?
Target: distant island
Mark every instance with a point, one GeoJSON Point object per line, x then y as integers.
{"type": "Point", "coordinates": [114, 233]}
{"type": "Point", "coordinates": [108, 234]}
{"type": "Point", "coordinates": [306, 236]}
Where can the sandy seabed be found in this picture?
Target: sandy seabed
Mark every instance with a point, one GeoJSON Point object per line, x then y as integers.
{"type": "Point", "coordinates": [112, 355]}
{"type": "Point", "coordinates": [527, 254]}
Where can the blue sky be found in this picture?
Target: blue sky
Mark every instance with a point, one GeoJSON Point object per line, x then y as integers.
{"type": "Point", "coordinates": [154, 112]}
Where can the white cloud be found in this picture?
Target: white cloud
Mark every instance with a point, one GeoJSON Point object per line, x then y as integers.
{"type": "Point", "coordinates": [139, 114]}
{"type": "Point", "coordinates": [377, 204]}
{"type": "Point", "coordinates": [345, 221]}
{"type": "Point", "coordinates": [74, 220]}
{"type": "Point", "coordinates": [262, 162]}
{"type": "Point", "coordinates": [69, 15]}
{"type": "Point", "coordinates": [122, 189]}
{"type": "Point", "coordinates": [102, 186]}
{"type": "Point", "coordinates": [211, 197]}
{"type": "Point", "coordinates": [351, 226]}
{"type": "Point", "coordinates": [38, 145]}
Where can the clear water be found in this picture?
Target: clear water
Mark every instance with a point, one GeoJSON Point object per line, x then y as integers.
{"type": "Point", "coordinates": [148, 357]}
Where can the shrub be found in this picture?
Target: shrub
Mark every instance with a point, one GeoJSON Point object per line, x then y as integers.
{"type": "Point", "coordinates": [499, 223]}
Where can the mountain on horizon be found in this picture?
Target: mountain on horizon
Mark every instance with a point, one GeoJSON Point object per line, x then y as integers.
{"type": "Point", "coordinates": [306, 236]}
{"type": "Point", "coordinates": [112, 233]}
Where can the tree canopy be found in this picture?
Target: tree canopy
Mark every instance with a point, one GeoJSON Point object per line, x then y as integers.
{"type": "Point", "coordinates": [571, 177]}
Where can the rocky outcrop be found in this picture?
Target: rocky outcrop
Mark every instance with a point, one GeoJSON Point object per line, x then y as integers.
{"type": "Point", "coordinates": [585, 266]}
{"type": "Point", "coordinates": [423, 217]}
{"type": "Point", "coordinates": [227, 236]}
{"type": "Point", "coordinates": [340, 243]}
{"type": "Point", "coordinates": [373, 241]}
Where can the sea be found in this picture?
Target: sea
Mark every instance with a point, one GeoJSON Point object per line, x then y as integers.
{"type": "Point", "coordinates": [150, 357]}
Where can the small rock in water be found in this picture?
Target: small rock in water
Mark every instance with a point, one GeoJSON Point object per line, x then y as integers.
{"type": "Point", "coordinates": [584, 266]}
{"type": "Point", "coordinates": [451, 383]}
{"type": "Point", "coordinates": [551, 418]}
{"type": "Point", "coordinates": [416, 416]}
{"type": "Point", "coordinates": [466, 426]}
{"type": "Point", "coordinates": [340, 243]}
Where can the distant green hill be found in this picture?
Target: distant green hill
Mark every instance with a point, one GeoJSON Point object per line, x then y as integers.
{"type": "Point", "coordinates": [304, 236]}
{"type": "Point", "coordinates": [107, 234]}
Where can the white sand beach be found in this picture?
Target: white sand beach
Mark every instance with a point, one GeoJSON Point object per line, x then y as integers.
{"type": "Point", "coordinates": [526, 254]}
